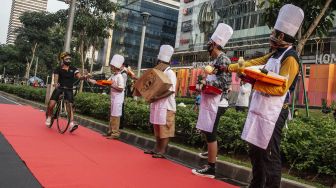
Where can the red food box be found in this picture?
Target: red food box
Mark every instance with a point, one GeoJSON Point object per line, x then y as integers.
{"type": "Point", "coordinates": [104, 82]}
{"type": "Point", "coordinates": [208, 89]}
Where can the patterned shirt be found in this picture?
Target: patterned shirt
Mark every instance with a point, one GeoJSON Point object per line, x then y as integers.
{"type": "Point", "coordinates": [224, 79]}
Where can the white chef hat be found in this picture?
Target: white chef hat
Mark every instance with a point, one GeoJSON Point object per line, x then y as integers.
{"type": "Point", "coordinates": [222, 34]}
{"type": "Point", "coordinates": [166, 51]}
{"type": "Point", "coordinates": [289, 19]}
{"type": "Point", "coordinates": [117, 61]}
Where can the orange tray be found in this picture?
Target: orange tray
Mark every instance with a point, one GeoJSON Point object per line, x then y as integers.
{"type": "Point", "coordinates": [208, 90]}
{"type": "Point", "coordinates": [104, 82]}
{"type": "Point", "coordinates": [271, 79]}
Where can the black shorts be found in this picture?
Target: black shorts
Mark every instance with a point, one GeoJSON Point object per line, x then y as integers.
{"type": "Point", "coordinates": [68, 95]}
{"type": "Point", "coordinates": [212, 137]}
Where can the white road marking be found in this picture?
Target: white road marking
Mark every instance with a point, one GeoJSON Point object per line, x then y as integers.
{"type": "Point", "coordinates": [10, 100]}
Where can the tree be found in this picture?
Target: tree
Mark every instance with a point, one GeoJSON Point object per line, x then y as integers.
{"type": "Point", "coordinates": [318, 18]}
{"type": "Point", "coordinates": [92, 21]}
{"type": "Point", "coordinates": [34, 31]}
{"type": "Point", "coordinates": [9, 60]}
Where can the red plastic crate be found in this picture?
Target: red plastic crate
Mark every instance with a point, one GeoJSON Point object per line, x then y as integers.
{"type": "Point", "coordinates": [208, 89]}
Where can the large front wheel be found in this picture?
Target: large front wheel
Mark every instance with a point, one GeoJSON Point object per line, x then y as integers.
{"type": "Point", "coordinates": [63, 118]}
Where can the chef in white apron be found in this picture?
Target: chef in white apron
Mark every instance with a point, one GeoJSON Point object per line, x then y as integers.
{"type": "Point", "coordinates": [212, 106]}
{"type": "Point", "coordinates": [162, 110]}
{"type": "Point", "coordinates": [117, 96]}
{"type": "Point", "coordinates": [269, 104]}
{"type": "Point", "coordinates": [243, 98]}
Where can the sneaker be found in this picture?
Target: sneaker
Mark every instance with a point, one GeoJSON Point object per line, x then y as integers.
{"type": "Point", "coordinates": [73, 127]}
{"type": "Point", "coordinates": [48, 121]}
{"type": "Point", "coordinates": [204, 155]}
{"type": "Point", "coordinates": [205, 171]}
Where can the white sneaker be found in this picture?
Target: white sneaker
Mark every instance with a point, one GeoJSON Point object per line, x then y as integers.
{"type": "Point", "coordinates": [204, 155]}
{"type": "Point", "coordinates": [48, 121]}
{"type": "Point", "coordinates": [73, 126]}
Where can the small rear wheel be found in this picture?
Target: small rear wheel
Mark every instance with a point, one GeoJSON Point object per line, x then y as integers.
{"type": "Point", "coordinates": [63, 118]}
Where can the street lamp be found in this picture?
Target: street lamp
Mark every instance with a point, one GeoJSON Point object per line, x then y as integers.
{"type": "Point", "coordinates": [67, 39]}
{"type": "Point", "coordinates": [145, 16]}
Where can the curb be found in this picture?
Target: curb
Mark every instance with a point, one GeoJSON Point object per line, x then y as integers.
{"type": "Point", "coordinates": [226, 171]}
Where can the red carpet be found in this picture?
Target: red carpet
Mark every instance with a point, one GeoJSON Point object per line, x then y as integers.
{"type": "Point", "coordinates": [86, 159]}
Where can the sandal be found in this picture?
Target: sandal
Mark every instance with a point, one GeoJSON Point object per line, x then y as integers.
{"type": "Point", "coordinates": [151, 152]}
{"type": "Point", "coordinates": [158, 156]}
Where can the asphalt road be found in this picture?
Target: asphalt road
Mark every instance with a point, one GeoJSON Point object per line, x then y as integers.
{"type": "Point", "coordinates": [4, 100]}
{"type": "Point", "coordinates": [13, 171]}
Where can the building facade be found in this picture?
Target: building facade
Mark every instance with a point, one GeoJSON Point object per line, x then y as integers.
{"type": "Point", "coordinates": [18, 8]}
{"type": "Point", "coordinates": [199, 18]}
{"type": "Point", "coordinates": [161, 29]}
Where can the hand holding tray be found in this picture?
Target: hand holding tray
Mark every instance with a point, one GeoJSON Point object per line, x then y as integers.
{"type": "Point", "coordinates": [270, 77]}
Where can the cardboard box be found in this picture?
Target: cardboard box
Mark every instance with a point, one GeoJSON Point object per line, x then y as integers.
{"type": "Point", "coordinates": [152, 83]}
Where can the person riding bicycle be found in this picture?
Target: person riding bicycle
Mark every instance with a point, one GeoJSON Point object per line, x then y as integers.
{"type": "Point", "coordinates": [64, 77]}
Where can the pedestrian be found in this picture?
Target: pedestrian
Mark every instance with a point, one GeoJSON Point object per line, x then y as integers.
{"type": "Point", "coordinates": [117, 96]}
{"type": "Point", "coordinates": [163, 108]}
{"type": "Point", "coordinates": [126, 72]}
{"type": "Point", "coordinates": [212, 106]}
{"type": "Point", "coordinates": [243, 96]}
{"type": "Point", "coordinates": [197, 101]}
{"type": "Point", "coordinates": [268, 110]}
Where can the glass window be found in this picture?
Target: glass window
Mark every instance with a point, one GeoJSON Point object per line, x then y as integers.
{"type": "Point", "coordinates": [261, 20]}
{"type": "Point", "coordinates": [245, 22]}
{"type": "Point", "coordinates": [238, 24]}
{"type": "Point", "coordinates": [326, 48]}
{"type": "Point", "coordinates": [231, 23]}
{"type": "Point", "coordinates": [253, 22]}
{"type": "Point", "coordinates": [307, 71]}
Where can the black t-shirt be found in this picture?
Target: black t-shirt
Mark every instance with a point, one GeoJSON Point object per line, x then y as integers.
{"type": "Point", "coordinates": [66, 78]}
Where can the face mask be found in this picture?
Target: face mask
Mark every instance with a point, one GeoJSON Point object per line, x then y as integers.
{"type": "Point", "coordinates": [67, 62]}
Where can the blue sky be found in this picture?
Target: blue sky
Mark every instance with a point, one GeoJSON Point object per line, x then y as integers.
{"type": "Point", "coordinates": [53, 6]}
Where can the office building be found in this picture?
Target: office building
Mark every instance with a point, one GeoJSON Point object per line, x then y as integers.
{"type": "Point", "coordinates": [18, 8]}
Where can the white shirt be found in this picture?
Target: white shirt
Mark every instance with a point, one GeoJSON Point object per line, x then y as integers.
{"type": "Point", "coordinates": [244, 95]}
{"type": "Point", "coordinates": [171, 99]}
{"type": "Point", "coordinates": [223, 103]}
{"type": "Point", "coordinates": [124, 74]}
{"type": "Point", "coordinates": [118, 81]}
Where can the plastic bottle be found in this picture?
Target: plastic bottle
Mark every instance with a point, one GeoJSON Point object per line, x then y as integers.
{"type": "Point", "coordinates": [241, 65]}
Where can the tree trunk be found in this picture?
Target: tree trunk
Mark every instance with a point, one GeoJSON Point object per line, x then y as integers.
{"type": "Point", "coordinates": [81, 48]}
{"type": "Point", "coordinates": [312, 27]}
{"type": "Point", "coordinates": [93, 56]}
{"type": "Point", "coordinates": [29, 64]}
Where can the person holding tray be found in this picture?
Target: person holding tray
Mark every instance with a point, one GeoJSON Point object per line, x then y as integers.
{"type": "Point", "coordinates": [213, 106]}
{"type": "Point", "coordinates": [268, 110]}
{"type": "Point", "coordinates": [117, 85]}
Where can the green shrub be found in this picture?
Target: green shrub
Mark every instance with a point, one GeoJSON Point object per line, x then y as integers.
{"type": "Point", "coordinates": [26, 92]}
{"type": "Point", "coordinates": [310, 145]}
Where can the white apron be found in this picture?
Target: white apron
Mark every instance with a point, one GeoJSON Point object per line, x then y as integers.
{"type": "Point", "coordinates": [208, 111]}
{"type": "Point", "coordinates": [158, 110]}
{"type": "Point", "coordinates": [264, 111]}
{"type": "Point", "coordinates": [117, 100]}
